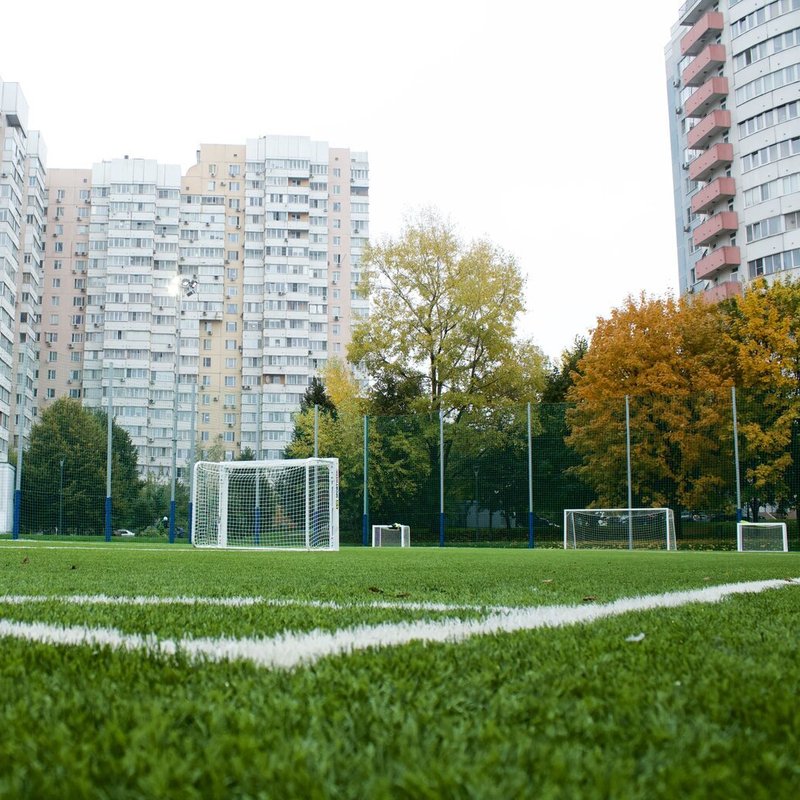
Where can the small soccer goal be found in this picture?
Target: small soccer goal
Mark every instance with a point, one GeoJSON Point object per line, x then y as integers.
{"type": "Point", "coordinates": [619, 528]}
{"type": "Point", "coordinates": [267, 505]}
{"type": "Point", "coordinates": [762, 537]}
{"type": "Point", "coordinates": [391, 536]}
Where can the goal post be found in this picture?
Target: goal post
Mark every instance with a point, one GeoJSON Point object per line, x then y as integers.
{"type": "Point", "coordinates": [290, 504]}
{"type": "Point", "coordinates": [619, 528]}
{"type": "Point", "coordinates": [762, 537]}
{"type": "Point", "coordinates": [391, 535]}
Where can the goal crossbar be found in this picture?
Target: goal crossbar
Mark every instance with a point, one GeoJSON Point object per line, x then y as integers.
{"type": "Point", "coordinates": [619, 528]}
{"type": "Point", "coordinates": [290, 504]}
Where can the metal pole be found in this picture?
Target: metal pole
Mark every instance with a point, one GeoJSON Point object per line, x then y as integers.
{"type": "Point", "coordinates": [736, 457]}
{"type": "Point", "coordinates": [316, 431]}
{"type": "Point", "coordinates": [173, 469]}
{"type": "Point", "coordinates": [20, 446]}
{"type": "Point", "coordinates": [61, 497]}
{"type": "Point", "coordinates": [365, 517]}
{"type": "Point", "coordinates": [530, 480]}
{"type": "Point", "coordinates": [441, 478]}
{"type": "Point", "coordinates": [109, 435]}
{"type": "Point", "coordinates": [192, 453]}
{"type": "Point", "coordinates": [630, 490]}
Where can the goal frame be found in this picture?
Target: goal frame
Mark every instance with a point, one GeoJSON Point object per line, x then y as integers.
{"type": "Point", "coordinates": [670, 540]}
{"type": "Point", "coordinates": [226, 468]}
{"type": "Point", "coordinates": [377, 535]}
{"type": "Point", "coordinates": [740, 526]}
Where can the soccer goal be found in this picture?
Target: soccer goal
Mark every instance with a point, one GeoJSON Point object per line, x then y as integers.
{"type": "Point", "coordinates": [620, 528]}
{"type": "Point", "coordinates": [762, 537]}
{"type": "Point", "coordinates": [391, 536]}
{"type": "Point", "coordinates": [286, 505]}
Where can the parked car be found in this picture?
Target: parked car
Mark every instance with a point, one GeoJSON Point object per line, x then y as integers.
{"type": "Point", "coordinates": [123, 532]}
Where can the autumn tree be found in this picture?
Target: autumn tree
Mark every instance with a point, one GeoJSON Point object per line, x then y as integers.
{"type": "Point", "coordinates": [763, 334]}
{"type": "Point", "coordinates": [665, 356]}
{"type": "Point", "coordinates": [443, 315]}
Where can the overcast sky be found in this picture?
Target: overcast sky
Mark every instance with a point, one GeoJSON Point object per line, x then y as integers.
{"type": "Point", "coordinates": [540, 126]}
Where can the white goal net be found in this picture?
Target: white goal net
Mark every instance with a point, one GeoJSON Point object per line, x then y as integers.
{"type": "Point", "coordinates": [391, 536]}
{"type": "Point", "coordinates": [620, 528]}
{"type": "Point", "coordinates": [762, 537]}
{"type": "Point", "coordinates": [291, 504]}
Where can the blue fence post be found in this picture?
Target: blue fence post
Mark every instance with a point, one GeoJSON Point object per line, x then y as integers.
{"type": "Point", "coordinates": [530, 481]}
{"type": "Point", "coordinates": [365, 515]}
{"type": "Point", "coordinates": [441, 479]}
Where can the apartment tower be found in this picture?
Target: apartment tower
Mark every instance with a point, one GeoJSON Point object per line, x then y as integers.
{"type": "Point", "coordinates": [733, 83]}
{"type": "Point", "coordinates": [217, 294]}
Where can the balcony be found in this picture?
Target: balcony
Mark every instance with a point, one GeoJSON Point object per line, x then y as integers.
{"type": "Point", "coordinates": [707, 96]}
{"type": "Point", "coordinates": [709, 196]}
{"type": "Point", "coordinates": [722, 291]}
{"type": "Point", "coordinates": [706, 28]}
{"type": "Point", "coordinates": [715, 123]}
{"type": "Point", "coordinates": [724, 222]}
{"type": "Point", "coordinates": [720, 155]}
{"type": "Point", "coordinates": [704, 65]}
{"type": "Point", "coordinates": [692, 10]}
{"type": "Point", "coordinates": [719, 259]}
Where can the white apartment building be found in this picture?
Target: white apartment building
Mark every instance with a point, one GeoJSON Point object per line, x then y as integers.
{"type": "Point", "coordinates": [733, 84]}
{"type": "Point", "coordinates": [267, 239]}
{"type": "Point", "coordinates": [22, 192]}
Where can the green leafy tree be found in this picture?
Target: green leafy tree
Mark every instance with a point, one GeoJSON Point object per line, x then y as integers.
{"type": "Point", "coordinates": [64, 471]}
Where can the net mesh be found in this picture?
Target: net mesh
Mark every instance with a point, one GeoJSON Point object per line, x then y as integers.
{"type": "Point", "coordinates": [266, 504]}
{"type": "Point", "coordinates": [761, 537]}
{"type": "Point", "coordinates": [391, 536]}
{"type": "Point", "coordinates": [620, 528]}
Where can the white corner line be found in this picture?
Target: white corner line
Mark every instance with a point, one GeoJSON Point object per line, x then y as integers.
{"type": "Point", "coordinates": [290, 650]}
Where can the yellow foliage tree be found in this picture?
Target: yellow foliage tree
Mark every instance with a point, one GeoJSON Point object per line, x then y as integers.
{"type": "Point", "coordinates": [763, 335]}
{"type": "Point", "coordinates": [662, 354]}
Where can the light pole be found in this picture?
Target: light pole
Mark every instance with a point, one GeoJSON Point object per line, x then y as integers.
{"type": "Point", "coordinates": [178, 287]}
{"type": "Point", "coordinates": [61, 497]}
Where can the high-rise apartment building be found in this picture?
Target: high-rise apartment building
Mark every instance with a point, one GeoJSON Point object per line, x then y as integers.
{"type": "Point", "coordinates": [239, 277]}
{"type": "Point", "coordinates": [733, 70]}
{"type": "Point", "coordinates": [22, 219]}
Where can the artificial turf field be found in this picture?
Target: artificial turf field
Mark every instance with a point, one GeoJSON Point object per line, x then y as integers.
{"type": "Point", "coordinates": [697, 700]}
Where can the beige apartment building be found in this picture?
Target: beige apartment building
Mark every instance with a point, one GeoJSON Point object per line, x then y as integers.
{"type": "Point", "coordinates": [239, 277]}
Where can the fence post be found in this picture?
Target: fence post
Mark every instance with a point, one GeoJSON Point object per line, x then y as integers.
{"type": "Point", "coordinates": [530, 480]}
{"type": "Point", "coordinates": [628, 451]}
{"type": "Point", "coordinates": [316, 430]}
{"type": "Point", "coordinates": [365, 517]}
{"type": "Point", "coordinates": [20, 449]}
{"type": "Point", "coordinates": [441, 478]}
{"type": "Point", "coordinates": [109, 451]}
{"type": "Point", "coordinates": [736, 457]}
{"type": "Point", "coordinates": [192, 454]}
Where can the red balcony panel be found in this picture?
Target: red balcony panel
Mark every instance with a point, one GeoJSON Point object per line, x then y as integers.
{"type": "Point", "coordinates": [717, 156]}
{"type": "Point", "coordinates": [709, 196]}
{"type": "Point", "coordinates": [708, 95]}
{"type": "Point", "coordinates": [719, 259]}
{"type": "Point", "coordinates": [707, 27]}
{"type": "Point", "coordinates": [716, 122]}
{"type": "Point", "coordinates": [724, 222]}
{"type": "Point", "coordinates": [692, 10]}
{"type": "Point", "coordinates": [722, 291]}
{"type": "Point", "coordinates": [704, 65]}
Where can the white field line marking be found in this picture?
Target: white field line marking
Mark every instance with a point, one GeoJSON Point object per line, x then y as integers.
{"type": "Point", "coordinates": [290, 650]}
{"type": "Point", "coordinates": [237, 602]}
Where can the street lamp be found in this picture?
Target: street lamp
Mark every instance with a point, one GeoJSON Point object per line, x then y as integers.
{"type": "Point", "coordinates": [179, 286]}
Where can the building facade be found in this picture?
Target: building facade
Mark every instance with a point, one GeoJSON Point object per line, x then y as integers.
{"type": "Point", "coordinates": [733, 84]}
{"type": "Point", "coordinates": [22, 225]}
{"type": "Point", "coordinates": [238, 277]}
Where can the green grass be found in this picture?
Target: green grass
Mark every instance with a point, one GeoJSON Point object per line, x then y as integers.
{"type": "Point", "coordinates": [704, 706]}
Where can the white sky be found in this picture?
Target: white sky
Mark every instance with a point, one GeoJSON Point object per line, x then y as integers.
{"type": "Point", "coordinates": [543, 127]}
